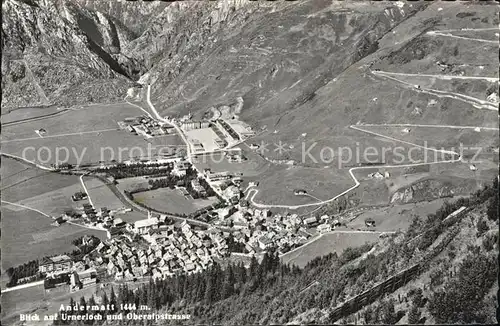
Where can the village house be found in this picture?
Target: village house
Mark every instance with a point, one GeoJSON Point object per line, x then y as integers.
{"type": "Point", "coordinates": [233, 193]}
{"type": "Point", "coordinates": [119, 223]}
{"type": "Point", "coordinates": [299, 192]}
{"type": "Point", "coordinates": [195, 184]}
{"type": "Point", "coordinates": [79, 196]}
{"type": "Point", "coordinates": [180, 168]}
{"type": "Point", "coordinates": [143, 226]}
{"type": "Point", "coordinates": [265, 242]}
{"type": "Point", "coordinates": [217, 176]}
{"type": "Point", "coordinates": [55, 264]}
{"type": "Point", "coordinates": [323, 228]}
{"type": "Point", "coordinates": [376, 175]}
{"type": "Point", "coordinates": [370, 222]}
{"type": "Point", "coordinates": [310, 221]}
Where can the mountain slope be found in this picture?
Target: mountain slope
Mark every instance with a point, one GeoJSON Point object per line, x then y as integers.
{"type": "Point", "coordinates": [452, 260]}
{"type": "Point", "coordinates": [217, 53]}
{"type": "Point", "coordinates": [45, 52]}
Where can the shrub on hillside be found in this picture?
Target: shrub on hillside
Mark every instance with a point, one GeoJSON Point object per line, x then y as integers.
{"type": "Point", "coordinates": [492, 210]}
{"type": "Point", "coordinates": [489, 241]}
{"type": "Point", "coordinates": [413, 315]}
{"type": "Point", "coordinates": [481, 227]}
{"type": "Point", "coordinates": [462, 299]}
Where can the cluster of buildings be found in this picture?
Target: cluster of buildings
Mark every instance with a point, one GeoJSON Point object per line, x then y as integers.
{"type": "Point", "coordinates": [192, 125]}
{"type": "Point", "coordinates": [63, 270]}
{"type": "Point", "coordinates": [235, 156]}
{"type": "Point", "coordinates": [55, 264]}
{"type": "Point", "coordinates": [220, 140]}
{"type": "Point", "coordinates": [225, 126]}
{"type": "Point", "coordinates": [216, 176]}
{"type": "Point", "coordinates": [229, 183]}
{"type": "Point", "coordinates": [102, 218]}
{"type": "Point", "coordinates": [197, 146]}
{"type": "Point", "coordinates": [145, 126]}
{"type": "Point", "coordinates": [243, 130]}
{"type": "Point", "coordinates": [226, 131]}
{"type": "Point", "coordinates": [232, 193]}
{"type": "Point", "coordinates": [259, 230]}
{"type": "Point", "coordinates": [180, 168]}
{"type": "Point", "coordinates": [378, 175]}
{"type": "Point", "coordinates": [77, 196]}
{"type": "Point", "coordinates": [195, 184]}
{"type": "Point", "coordinates": [173, 248]}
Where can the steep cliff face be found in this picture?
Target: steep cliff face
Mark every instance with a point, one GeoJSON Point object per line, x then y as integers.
{"type": "Point", "coordinates": [104, 30]}
{"type": "Point", "coordinates": [46, 59]}
{"type": "Point", "coordinates": [107, 35]}
{"type": "Point", "coordinates": [196, 54]}
{"type": "Point", "coordinates": [425, 190]}
{"type": "Point", "coordinates": [135, 15]}
{"type": "Point", "coordinates": [433, 189]}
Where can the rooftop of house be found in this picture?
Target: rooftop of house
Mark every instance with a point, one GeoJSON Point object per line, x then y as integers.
{"type": "Point", "coordinates": [56, 259]}
{"type": "Point", "coordinates": [146, 223]}
{"type": "Point", "coordinates": [265, 239]}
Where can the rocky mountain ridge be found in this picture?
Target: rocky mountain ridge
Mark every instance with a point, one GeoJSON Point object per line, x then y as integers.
{"type": "Point", "coordinates": [163, 43]}
{"type": "Point", "coordinates": [48, 59]}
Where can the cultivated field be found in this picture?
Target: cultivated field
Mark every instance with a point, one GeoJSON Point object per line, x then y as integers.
{"type": "Point", "coordinates": [89, 134]}
{"type": "Point", "coordinates": [217, 162]}
{"type": "Point", "coordinates": [456, 175]}
{"type": "Point", "coordinates": [131, 217]}
{"type": "Point", "coordinates": [328, 243]}
{"type": "Point", "coordinates": [171, 201]}
{"type": "Point", "coordinates": [31, 236]}
{"type": "Point", "coordinates": [394, 218]}
{"type": "Point", "coordinates": [54, 202]}
{"type": "Point", "coordinates": [21, 181]}
{"type": "Point", "coordinates": [22, 114]}
{"type": "Point", "coordinates": [371, 192]}
{"type": "Point", "coordinates": [131, 184]}
{"type": "Point", "coordinates": [101, 195]}
{"type": "Point", "coordinates": [444, 138]}
{"type": "Point", "coordinates": [486, 172]}
{"type": "Point", "coordinates": [277, 185]}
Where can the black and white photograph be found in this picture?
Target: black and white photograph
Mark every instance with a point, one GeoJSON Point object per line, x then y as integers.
{"type": "Point", "coordinates": [249, 162]}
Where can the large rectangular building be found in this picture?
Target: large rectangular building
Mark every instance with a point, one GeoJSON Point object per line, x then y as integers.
{"type": "Point", "coordinates": [218, 176]}
{"type": "Point", "coordinates": [191, 125]}
{"type": "Point", "coordinates": [55, 264]}
{"type": "Point", "coordinates": [144, 226]}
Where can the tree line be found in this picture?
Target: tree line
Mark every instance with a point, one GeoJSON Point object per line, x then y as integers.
{"type": "Point", "coordinates": [122, 170]}
{"type": "Point", "coordinates": [31, 268]}
{"type": "Point", "coordinates": [213, 285]}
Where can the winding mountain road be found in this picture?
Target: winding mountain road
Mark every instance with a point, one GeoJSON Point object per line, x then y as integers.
{"type": "Point", "coordinates": [252, 191]}
{"type": "Point", "coordinates": [475, 102]}
{"type": "Point", "coordinates": [440, 33]}
{"type": "Point", "coordinates": [443, 77]}
{"type": "Point", "coordinates": [189, 155]}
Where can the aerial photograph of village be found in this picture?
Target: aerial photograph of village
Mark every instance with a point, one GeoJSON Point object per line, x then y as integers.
{"type": "Point", "coordinates": [241, 162]}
